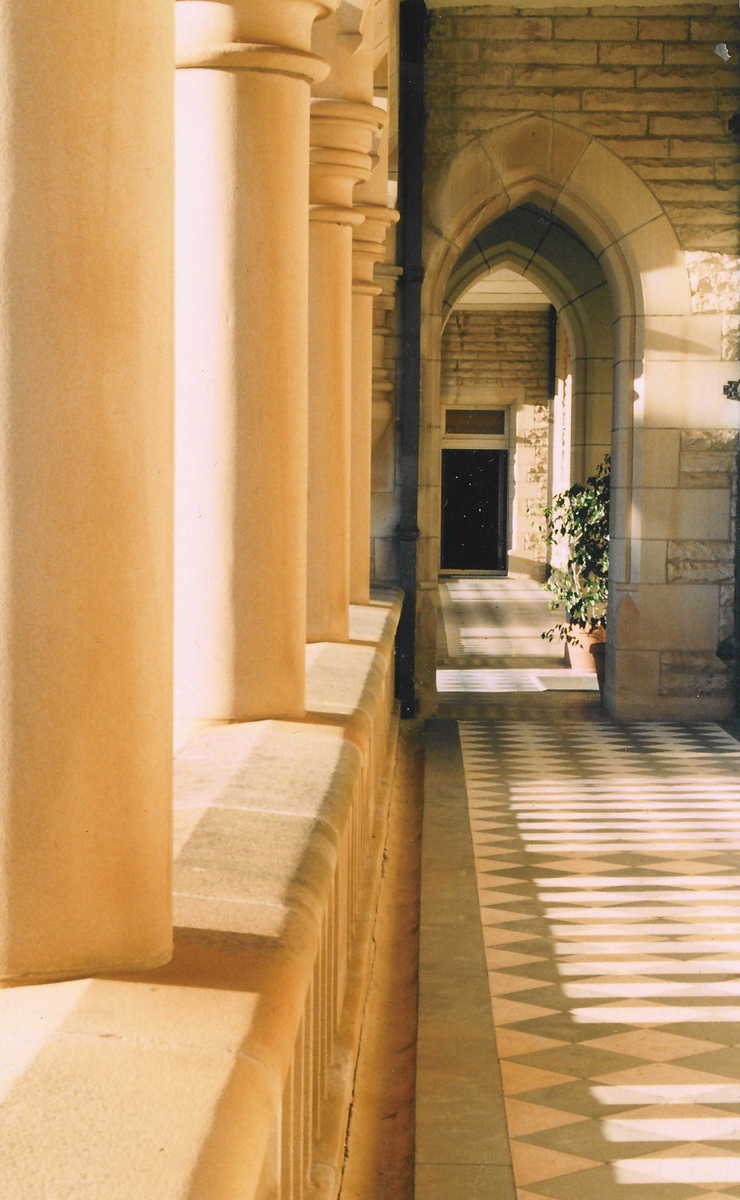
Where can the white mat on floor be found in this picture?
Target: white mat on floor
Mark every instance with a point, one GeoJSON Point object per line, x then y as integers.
{"type": "Point", "coordinates": [490, 680]}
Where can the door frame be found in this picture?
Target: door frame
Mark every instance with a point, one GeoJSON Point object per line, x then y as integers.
{"type": "Point", "coordinates": [502, 512]}
{"type": "Point", "coordinates": [479, 441]}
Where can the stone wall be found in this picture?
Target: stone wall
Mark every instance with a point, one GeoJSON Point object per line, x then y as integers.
{"type": "Point", "coordinates": [706, 463]}
{"type": "Point", "coordinates": [708, 459]}
{"type": "Point", "coordinates": [645, 82]}
{"type": "Point", "coordinates": [485, 352]}
{"type": "Point", "coordinates": [715, 288]}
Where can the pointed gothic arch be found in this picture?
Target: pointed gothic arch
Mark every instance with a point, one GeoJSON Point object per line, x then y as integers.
{"type": "Point", "coordinates": [580, 186]}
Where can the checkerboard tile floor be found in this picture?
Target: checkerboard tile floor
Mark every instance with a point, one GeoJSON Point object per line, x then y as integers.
{"type": "Point", "coordinates": [608, 869]}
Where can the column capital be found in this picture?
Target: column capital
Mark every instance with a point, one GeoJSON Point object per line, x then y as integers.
{"type": "Point", "coordinates": [342, 121]}
{"type": "Point", "coordinates": [388, 276]}
{"type": "Point", "coordinates": [379, 212]}
{"type": "Point", "coordinates": [341, 139]}
{"type": "Point", "coordinates": [376, 219]}
{"type": "Point", "coordinates": [362, 287]}
{"type": "Point", "coordinates": [252, 56]}
{"type": "Point", "coordinates": [251, 35]}
{"type": "Point", "coordinates": [369, 245]}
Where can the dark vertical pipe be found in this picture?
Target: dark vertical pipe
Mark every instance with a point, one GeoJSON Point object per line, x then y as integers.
{"type": "Point", "coordinates": [413, 32]}
{"type": "Point", "coordinates": [552, 333]}
{"type": "Point", "coordinates": [736, 623]}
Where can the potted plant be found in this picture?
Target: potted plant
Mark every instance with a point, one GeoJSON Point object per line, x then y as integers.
{"type": "Point", "coordinates": [578, 519]}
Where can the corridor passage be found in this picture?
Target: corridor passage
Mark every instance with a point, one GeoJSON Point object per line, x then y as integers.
{"type": "Point", "coordinates": [490, 649]}
{"type": "Point", "coordinates": [498, 621]}
{"type": "Point", "coordinates": [580, 962]}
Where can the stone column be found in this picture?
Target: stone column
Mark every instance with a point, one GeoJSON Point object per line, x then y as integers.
{"type": "Point", "coordinates": [85, 522]}
{"type": "Point", "coordinates": [369, 249]}
{"type": "Point", "coordinates": [364, 292]}
{"type": "Point", "coordinates": [243, 99]}
{"type": "Point", "coordinates": [344, 124]}
{"type": "Point", "coordinates": [341, 138]}
{"type": "Point", "coordinates": [385, 509]}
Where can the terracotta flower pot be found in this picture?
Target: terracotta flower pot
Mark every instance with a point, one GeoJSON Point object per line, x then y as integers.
{"type": "Point", "coordinates": [598, 651]}
{"type": "Point", "coordinates": [582, 656]}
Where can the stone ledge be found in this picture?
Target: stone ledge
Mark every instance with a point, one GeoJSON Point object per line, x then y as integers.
{"type": "Point", "coordinates": [226, 1072]}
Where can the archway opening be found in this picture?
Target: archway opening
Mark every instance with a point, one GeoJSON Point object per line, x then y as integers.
{"type": "Point", "coordinates": [524, 411]}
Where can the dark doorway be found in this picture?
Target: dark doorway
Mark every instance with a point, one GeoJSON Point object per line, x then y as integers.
{"type": "Point", "coordinates": [474, 503]}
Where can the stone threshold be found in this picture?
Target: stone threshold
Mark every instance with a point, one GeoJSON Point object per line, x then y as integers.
{"type": "Point", "coordinates": [227, 1072]}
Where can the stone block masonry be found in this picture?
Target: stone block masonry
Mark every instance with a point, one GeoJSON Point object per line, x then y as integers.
{"type": "Point", "coordinates": [483, 352]}
{"type": "Point", "coordinates": [645, 82]}
{"type": "Point", "coordinates": [707, 460]}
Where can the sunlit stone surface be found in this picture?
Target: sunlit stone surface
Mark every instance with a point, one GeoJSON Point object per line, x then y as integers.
{"type": "Point", "coordinates": [609, 907]}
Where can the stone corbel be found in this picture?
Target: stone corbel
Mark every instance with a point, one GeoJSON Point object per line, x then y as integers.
{"type": "Point", "coordinates": [350, 16]}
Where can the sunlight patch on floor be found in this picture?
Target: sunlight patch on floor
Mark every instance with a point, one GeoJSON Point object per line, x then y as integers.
{"type": "Point", "coordinates": [492, 680]}
{"type": "Point", "coordinates": [609, 895]}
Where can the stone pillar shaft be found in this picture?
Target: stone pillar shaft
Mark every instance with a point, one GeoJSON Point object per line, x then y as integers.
{"type": "Point", "coordinates": [361, 439]}
{"type": "Point", "coordinates": [329, 433]}
{"type": "Point", "coordinates": [242, 250]}
{"type": "Point", "coordinates": [341, 139]}
{"type": "Point", "coordinates": [85, 522]}
{"type": "Point", "coordinates": [369, 248]}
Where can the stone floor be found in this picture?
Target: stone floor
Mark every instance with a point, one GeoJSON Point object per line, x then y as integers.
{"type": "Point", "coordinates": [580, 962]}
{"type": "Point", "coordinates": [497, 622]}
{"type": "Point", "coordinates": [579, 1013]}
{"type": "Point", "coordinates": [490, 649]}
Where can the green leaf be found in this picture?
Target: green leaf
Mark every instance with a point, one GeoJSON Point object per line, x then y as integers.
{"type": "Point", "coordinates": [580, 516]}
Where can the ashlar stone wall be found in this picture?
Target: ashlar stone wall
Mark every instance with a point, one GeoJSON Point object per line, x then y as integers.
{"type": "Point", "coordinates": [484, 352]}
{"type": "Point", "coordinates": [646, 82]}
{"type": "Point", "coordinates": [707, 462]}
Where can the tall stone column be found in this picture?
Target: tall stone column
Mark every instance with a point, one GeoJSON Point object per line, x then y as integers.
{"type": "Point", "coordinates": [344, 126]}
{"type": "Point", "coordinates": [243, 94]}
{"type": "Point", "coordinates": [341, 139]}
{"type": "Point", "coordinates": [364, 292]}
{"type": "Point", "coordinates": [368, 249]}
{"type": "Point", "coordinates": [385, 510]}
{"type": "Point", "coordinates": [85, 520]}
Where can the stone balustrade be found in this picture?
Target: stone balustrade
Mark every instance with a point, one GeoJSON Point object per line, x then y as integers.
{"type": "Point", "coordinates": [228, 1072]}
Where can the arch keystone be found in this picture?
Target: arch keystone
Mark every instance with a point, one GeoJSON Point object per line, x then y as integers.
{"type": "Point", "coordinates": [535, 148]}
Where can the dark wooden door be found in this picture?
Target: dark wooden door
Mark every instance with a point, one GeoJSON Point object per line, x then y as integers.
{"type": "Point", "coordinates": [474, 504]}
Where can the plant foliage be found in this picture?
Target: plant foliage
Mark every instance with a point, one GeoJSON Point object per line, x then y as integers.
{"type": "Point", "coordinates": [580, 515]}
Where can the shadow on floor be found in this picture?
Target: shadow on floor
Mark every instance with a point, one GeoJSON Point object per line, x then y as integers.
{"type": "Point", "coordinates": [490, 653]}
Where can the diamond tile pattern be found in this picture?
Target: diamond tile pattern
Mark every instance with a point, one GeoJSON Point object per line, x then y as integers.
{"type": "Point", "coordinates": [609, 889]}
